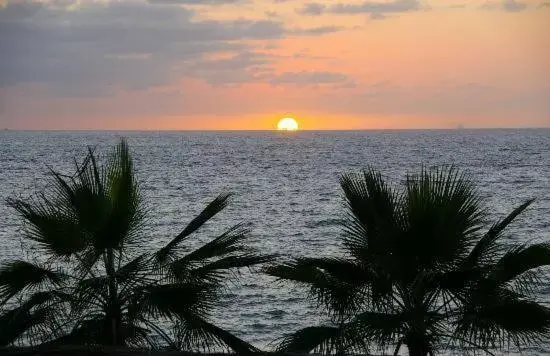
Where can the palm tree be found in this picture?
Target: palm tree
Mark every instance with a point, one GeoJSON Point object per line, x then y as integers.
{"type": "Point", "coordinates": [92, 283]}
{"type": "Point", "coordinates": [420, 270]}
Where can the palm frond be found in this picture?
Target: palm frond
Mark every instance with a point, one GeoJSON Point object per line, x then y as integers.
{"type": "Point", "coordinates": [443, 214]}
{"type": "Point", "coordinates": [325, 340]}
{"type": "Point", "coordinates": [383, 329]}
{"type": "Point", "coordinates": [373, 217]}
{"type": "Point", "coordinates": [127, 211]}
{"type": "Point", "coordinates": [90, 294]}
{"type": "Point", "coordinates": [59, 234]}
{"type": "Point", "coordinates": [213, 208]}
{"type": "Point", "coordinates": [219, 270]}
{"type": "Point", "coordinates": [486, 248]}
{"type": "Point", "coordinates": [519, 260]}
{"type": "Point", "coordinates": [227, 244]}
{"type": "Point", "coordinates": [500, 321]}
{"type": "Point", "coordinates": [16, 276]}
{"type": "Point", "coordinates": [30, 320]}
{"type": "Point", "coordinates": [175, 301]}
{"type": "Point", "coordinates": [134, 275]}
{"type": "Point", "coordinates": [337, 284]}
{"type": "Point", "coordinates": [135, 268]}
{"type": "Point", "coordinates": [194, 332]}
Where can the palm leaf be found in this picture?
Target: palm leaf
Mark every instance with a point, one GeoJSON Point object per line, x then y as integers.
{"type": "Point", "coordinates": [59, 234]}
{"type": "Point", "coordinates": [321, 339]}
{"type": "Point", "coordinates": [195, 332]}
{"type": "Point", "coordinates": [175, 301]}
{"type": "Point", "coordinates": [226, 244]}
{"type": "Point", "coordinates": [16, 276]}
{"type": "Point", "coordinates": [127, 213]}
{"type": "Point", "coordinates": [218, 270]}
{"type": "Point", "coordinates": [373, 217]}
{"type": "Point", "coordinates": [443, 214]}
{"type": "Point", "coordinates": [30, 319]}
{"type": "Point", "coordinates": [486, 247]}
{"type": "Point", "coordinates": [519, 260]}
{"type": "Point", "coordinates": [501, 320]}
{"type": "Point", "coordinates": [217, 205]}
{"type": "Point", "coordinates": [337, 284]}
{"type": "Point", "coordinates": [382, 328]}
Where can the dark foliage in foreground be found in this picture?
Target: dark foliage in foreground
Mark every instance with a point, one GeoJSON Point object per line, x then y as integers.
{"type": "Point", "coordinates": [93, 285]}
{"type": "Point", "coordinates": [421, 270]}
{"type": "Point", "coordinates": [110, 351]}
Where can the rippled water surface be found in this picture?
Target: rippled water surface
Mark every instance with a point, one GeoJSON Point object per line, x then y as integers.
{"type": "Point", "coordinates": [286, 188]}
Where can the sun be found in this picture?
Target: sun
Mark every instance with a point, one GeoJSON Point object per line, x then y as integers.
{"type": "Point", "coordinates": [287, 124]}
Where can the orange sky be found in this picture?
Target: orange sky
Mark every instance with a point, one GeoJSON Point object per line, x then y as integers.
{"type": "Point", "coordinates": [230, 64]}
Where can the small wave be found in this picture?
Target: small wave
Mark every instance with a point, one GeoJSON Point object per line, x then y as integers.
{"type": "Point", "coordinates": [324, 223]}
{"type": "Point", "coordinates": [277, 313]}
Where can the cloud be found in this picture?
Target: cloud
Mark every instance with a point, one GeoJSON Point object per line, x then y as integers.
{"type": "Point", "coordinates": [194, 2]}
{"type": "Point", "coordinates": [317, 31]}
{"type": "Point", "coordinates": [311, 8]}
{"type": "Point", "coordinates": [310, 78]}
{"type": "Point", "coordinates": [377, 16]}
{"type": "Point", "coordinates": [245, 67]}
{"type": "Point", "coordinates": [17, 11]}
{"type": "Point", "coordinates": [505, 5]}
{"type": "Point", "coordinates": [375, 9]}
{"type": "Point", "coordinates": [370, 7]}
{"type": "Point", "coordinates": [97, 48]}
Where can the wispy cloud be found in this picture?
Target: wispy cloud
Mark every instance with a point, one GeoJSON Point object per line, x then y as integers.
{"type": "Point", "coordinates": [505, 5]}
{"type": "Point", "coordinates": [311, 8]}
{"type": "Point", "coordinates": [310, 78]}
{"type": "Point", "coordinates": [194, 2]}
{"type": "Point", "coordinates": [375, 9]}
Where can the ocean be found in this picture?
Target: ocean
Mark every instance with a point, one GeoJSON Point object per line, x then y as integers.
{"type": "Point", "coordinates": [286, 189]}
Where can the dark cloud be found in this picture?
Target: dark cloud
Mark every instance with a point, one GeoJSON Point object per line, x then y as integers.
{"type": "Point", "coordinates": [95, 49]}
{"type": "Point", "coordinates": [505, 5]}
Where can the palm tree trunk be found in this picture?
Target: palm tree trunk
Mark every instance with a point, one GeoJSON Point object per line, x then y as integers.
{"type": "Point", "coordinates": [417, 345]}
{"type": "Point", "coordinates": [113, 312]}
{"type": "Point", "coordinates": [417, 350]}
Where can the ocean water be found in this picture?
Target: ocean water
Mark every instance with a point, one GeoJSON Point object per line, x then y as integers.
{"type": "Point", "coordinates": [286, 188]}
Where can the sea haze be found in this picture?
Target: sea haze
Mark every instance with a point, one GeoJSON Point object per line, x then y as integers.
{"type": "Point", "coordinates": [286, 188]}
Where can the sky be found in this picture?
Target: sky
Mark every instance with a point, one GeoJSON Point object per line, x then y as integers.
{"type": "Point", "coordinates": [244, 64]}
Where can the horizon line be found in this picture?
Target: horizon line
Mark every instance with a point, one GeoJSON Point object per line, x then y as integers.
{"type": "Point", "coordinates": [273, 130]}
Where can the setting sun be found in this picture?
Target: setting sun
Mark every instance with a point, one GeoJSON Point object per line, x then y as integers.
{"type": "Point", "coordinates": [287, 124]}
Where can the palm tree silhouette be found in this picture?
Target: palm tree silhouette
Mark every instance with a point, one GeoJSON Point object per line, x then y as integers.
{"type": "Point", "coordinates": [93, 283]}
{"type": "Point", "coordinates": [420, 270]}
